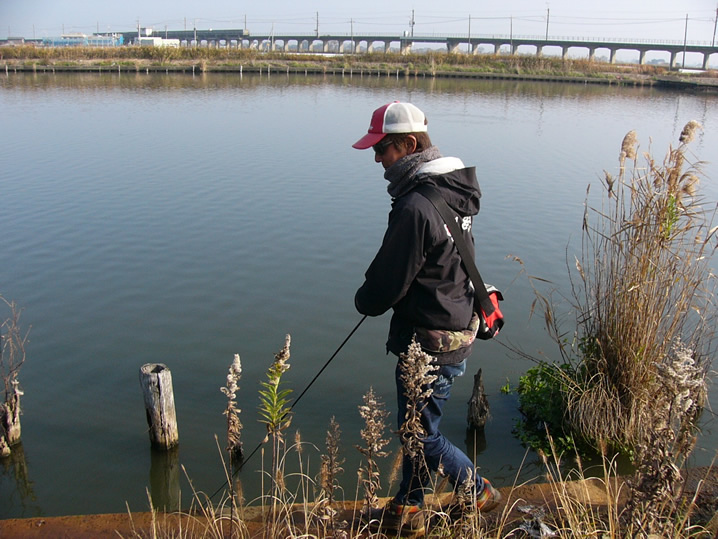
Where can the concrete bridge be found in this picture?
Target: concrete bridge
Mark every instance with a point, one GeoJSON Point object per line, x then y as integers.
{"type": "Point", "coordinates": [348, 43]}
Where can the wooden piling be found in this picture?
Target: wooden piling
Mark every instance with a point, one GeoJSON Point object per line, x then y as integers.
{"type": "Point", "coordinates": [156, 382]}
{"type": "Point", "coordinates": [478, 412]}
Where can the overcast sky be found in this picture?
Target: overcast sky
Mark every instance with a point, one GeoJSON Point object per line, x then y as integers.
{"type": "Point", "coordinates": [640, 19]}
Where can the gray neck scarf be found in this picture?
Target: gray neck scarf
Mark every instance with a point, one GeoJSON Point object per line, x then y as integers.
{"type": "Point", "coordinates": [402, 174]}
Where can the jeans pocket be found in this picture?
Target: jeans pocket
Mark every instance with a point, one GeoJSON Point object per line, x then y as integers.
{"type": "Point", "coordinates": [445, 379]}
{"type": "Point", "coordinates": [442, 386]}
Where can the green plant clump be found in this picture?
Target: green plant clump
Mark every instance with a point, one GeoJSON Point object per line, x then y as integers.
{"type": "Point", "coordinates": [542, 405]}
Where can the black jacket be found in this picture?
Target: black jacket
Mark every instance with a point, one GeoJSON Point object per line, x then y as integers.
{"type": "Point", "coordinates": [417, 271]}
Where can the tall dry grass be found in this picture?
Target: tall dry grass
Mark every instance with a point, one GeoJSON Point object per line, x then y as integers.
{"type": "Point", "coordinates": [645, 297]}
{"type": "Point", "coordinates": [645, 304]}
{"type": "Point", "coordinates": [374, 414]}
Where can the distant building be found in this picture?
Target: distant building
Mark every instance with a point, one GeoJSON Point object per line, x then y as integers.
{"type": "Point", "coordinates": [83, 40]}
{"type": "Point", "coordinates": [156, 42]}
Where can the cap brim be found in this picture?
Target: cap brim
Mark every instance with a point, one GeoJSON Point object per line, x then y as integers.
{"type": "Point", "coordinates": [368, 140]}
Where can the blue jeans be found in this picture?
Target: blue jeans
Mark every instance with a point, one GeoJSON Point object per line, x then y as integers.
{"type": "Point", "coordinates": [438, 449]}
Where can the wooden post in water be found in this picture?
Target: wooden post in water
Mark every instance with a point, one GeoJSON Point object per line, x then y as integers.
{"type": "Point", "coordinates": [156, 382]}
{"type": "Point", "coordinates": [478, 412]}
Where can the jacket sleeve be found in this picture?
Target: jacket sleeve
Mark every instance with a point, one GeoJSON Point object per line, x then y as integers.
{"type": "Point", "coordinates": [400, 257]}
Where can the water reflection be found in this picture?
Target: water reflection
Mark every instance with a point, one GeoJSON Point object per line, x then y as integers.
{"type": "Point", "coordinates": [165, 479]}
{"type": "Point", "coordinates": [475, 441]}
{"type": "Point", "coordinates": [208, 81]}
{"type": "Point", "coordinates": [19, 500]}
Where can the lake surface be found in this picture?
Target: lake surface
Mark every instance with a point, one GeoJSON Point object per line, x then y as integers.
{"type": "Point", "coordinates": [183, 219]}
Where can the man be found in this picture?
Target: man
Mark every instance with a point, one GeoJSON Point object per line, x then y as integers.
{"type": "Point", "coordinates": [418, 273]}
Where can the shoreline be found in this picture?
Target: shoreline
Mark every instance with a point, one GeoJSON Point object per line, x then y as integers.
{"type": "Point", "coordinates": [622, 77]}
{"type": "Point", "coordinates": [541, 496]}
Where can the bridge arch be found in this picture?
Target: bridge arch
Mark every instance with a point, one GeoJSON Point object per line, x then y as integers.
{"type": "Point", "coordinates": [523, 48]}
{"type": "Point", "coordinates": [585, 51]}
{"type": "Point", "coordinates": [371, 45]}
{"type": "Point", "coordinates": [348, 45]}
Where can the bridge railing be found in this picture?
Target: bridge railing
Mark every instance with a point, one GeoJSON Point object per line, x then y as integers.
{"type": "Point", "coordinates": [232, 35]}
{"type": "Point", "coordinates": [474, 37]}
{"type": "Point", "coordinates": [568, 39]}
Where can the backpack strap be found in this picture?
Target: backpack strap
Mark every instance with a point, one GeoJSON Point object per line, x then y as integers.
{"type": "Point", "coordinates": [447, 215]}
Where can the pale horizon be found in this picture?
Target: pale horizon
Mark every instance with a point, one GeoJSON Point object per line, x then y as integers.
{"type": "Point", "coordinates": [659, 20]}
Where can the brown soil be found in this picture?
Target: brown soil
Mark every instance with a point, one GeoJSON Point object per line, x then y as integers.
{"type": "Point", "coordinates": [519, 505]}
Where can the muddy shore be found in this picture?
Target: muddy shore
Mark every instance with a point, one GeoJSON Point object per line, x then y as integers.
{"type": "Point", "coordinates": [701, 486]}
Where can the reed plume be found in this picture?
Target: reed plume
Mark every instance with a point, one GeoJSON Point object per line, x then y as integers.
{"type": "Point", "coordinates": [374, 416]}
{"type": "Point", "coordinates": [331, 469]}
{"type": "Point", "coordinates": [689, 132]}
{"type": "Point", "coordinates": [628, 148]}
{"type": "Point", "coordinates": [416, 373]}
{"type": "Point", "coordinates": [331, 462]}
{"type": "Point", "coordinates": [234, 425]}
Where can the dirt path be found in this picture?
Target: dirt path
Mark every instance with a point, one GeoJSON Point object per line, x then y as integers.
{"type": "Point", "coordinates": [540, 497]}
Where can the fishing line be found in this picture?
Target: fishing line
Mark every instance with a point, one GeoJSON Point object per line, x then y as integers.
{"type": "Point", "coordinates": [296, 401]}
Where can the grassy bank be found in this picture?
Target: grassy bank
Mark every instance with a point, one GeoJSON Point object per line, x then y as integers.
{"type": "Point", "coordinates": [433, 64]}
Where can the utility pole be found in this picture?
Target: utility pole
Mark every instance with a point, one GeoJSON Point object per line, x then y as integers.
{"type": "Point", "coordinates": [351, 27]}
{"type": "Point", "coordinates": [469, 33]}
{"type": "Point", "coordinates": [548, 14]}
{"type": "Point", "coordinates": [715, 25]}
{"type": "Point", "coordinates": [411, 23]}
{"type": "Point", "coordinates": [511, 29]}
{"type": "Point", "coordinates": [685, 42]}
{"type": "Point", "coordinates": [317, 28]}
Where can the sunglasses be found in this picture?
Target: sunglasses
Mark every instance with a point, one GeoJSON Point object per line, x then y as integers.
{"type": "Point", "coordinates": [381, 147]}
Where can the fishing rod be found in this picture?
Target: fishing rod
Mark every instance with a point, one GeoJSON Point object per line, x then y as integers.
{"type": "Point", "coordinates": [296, 401]}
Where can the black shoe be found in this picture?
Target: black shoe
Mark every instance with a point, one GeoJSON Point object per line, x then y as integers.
{"type": "Point", "coordinates": [397, 517]}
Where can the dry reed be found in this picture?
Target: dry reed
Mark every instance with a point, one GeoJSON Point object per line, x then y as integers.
{"type": "Point", "coordinates": [374, 416]}
{"type": "Point", "coordinates": [234, 425]}
{"type": "Point", "coordinates": [646, 308]}
{"type": "Point", "coordinates": [645, 286]}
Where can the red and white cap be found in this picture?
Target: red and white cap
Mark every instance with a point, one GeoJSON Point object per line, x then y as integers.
{"type": "Point", "coordinates": [393, 117]}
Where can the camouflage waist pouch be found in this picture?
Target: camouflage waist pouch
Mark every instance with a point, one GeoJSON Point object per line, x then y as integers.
{"type": "Point", "coordinates": [444, 340]}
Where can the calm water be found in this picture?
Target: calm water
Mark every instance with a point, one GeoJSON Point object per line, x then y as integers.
{"type": "Point", "coordinates": [181, 219]}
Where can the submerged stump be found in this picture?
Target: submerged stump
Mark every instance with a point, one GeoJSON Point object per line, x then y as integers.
{"type": "Point", "coordinates": [156, 382]}
{"type": "Point", "coordinates": [10, 420]}
{"type": "Point", "coordinates": [478, 412]}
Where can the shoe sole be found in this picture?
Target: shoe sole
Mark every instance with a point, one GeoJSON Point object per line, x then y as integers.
{"type": "Point", "coordinates": [379, 521]}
